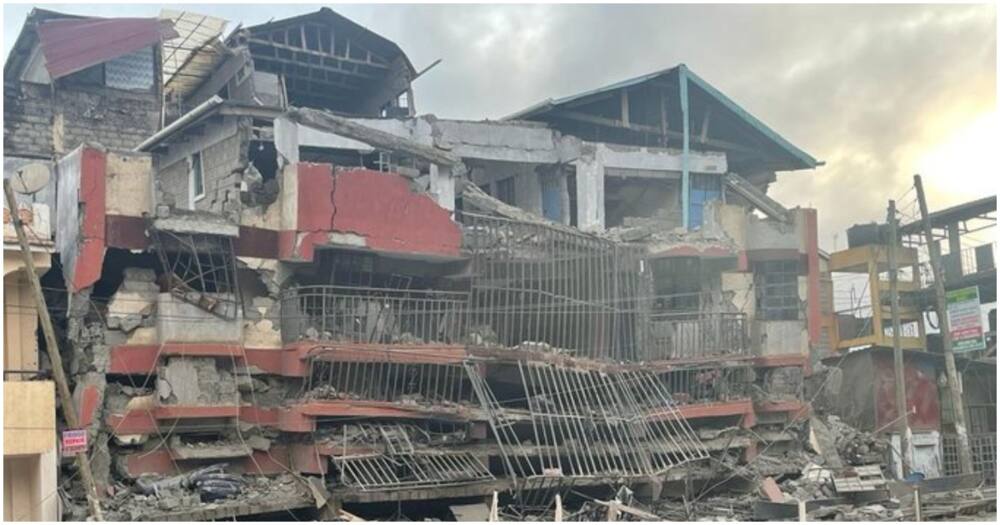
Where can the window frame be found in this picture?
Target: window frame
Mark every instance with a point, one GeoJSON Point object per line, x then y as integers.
{"type": "Point", "coordinates": [193, 196]}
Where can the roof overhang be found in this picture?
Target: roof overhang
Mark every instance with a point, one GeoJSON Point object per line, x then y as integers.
{"type": "Point", "coordinates": [782, 154]}
{"type": "Point", "coordinates": [72, 45]}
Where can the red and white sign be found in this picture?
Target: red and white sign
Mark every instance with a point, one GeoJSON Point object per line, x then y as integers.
{"type": "Point", "coordinates": [74, 442]}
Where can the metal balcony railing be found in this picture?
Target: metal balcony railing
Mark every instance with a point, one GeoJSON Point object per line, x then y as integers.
{"type": "Point", "coordinates": [676, 335]}
{"type": "Point", "coordinates": [373, 315]}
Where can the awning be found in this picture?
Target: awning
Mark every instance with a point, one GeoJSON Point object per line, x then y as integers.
{"type": "Point", "coordinates": [73, 45]}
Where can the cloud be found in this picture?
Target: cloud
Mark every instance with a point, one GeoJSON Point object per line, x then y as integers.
{"type": "Point", "coordinates": [870, 89]}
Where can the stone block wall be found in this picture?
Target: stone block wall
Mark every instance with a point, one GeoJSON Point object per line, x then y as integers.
{"type": "Point", "coordinates": [38, 121]}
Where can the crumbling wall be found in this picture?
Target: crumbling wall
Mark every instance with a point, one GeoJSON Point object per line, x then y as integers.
{"type": "Point", "coordinates": [195, 381]}
{"type": "Point", "coordinates": [180, 321]}
{"type": "Point", "coordinates": [222, 147]}
{"type": "Point", "coordinates": [38, 123]}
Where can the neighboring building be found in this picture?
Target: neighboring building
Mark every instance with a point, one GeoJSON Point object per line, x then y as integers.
{"type": "Point", "coordinates": [70, 79]}
{"type": "Point", "coordinates": [866, 400]}
{"type": "Point", "coordinates": [863, 337]}
{"type": "Point", "coordinates": [30, 459]}
{"type": "Point", "coordinates": [296, 273]}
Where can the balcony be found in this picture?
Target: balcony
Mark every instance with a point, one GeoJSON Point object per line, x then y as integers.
{"type": "Point", "coordinates": [682, 335]}
{"type": "Point", "coordinates": [350, 314]}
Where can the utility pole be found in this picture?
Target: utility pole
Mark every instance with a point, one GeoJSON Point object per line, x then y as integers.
{"type": "Point", "coordinates": [902, 410]}
{"type": "Point", "coordinates": [964, 454]}
{"type": "Point", "coordinates": [62, 386]}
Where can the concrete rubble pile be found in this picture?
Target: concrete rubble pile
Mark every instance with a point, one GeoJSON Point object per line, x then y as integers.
{"type": "Point", "coordinates": [268, 308]}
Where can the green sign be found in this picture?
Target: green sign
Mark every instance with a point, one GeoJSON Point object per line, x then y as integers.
{"type": "Point", "coordinates": [965, 320]}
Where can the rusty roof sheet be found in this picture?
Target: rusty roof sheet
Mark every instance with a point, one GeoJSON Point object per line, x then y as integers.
{"type": "Point", "coordinates": [73, 45]}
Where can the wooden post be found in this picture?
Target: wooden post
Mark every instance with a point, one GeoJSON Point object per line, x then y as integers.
{"type": "Point", "coordinates": [964, 454]}
{"type": "Point", "coordinates": [51, 346]}
{"type": "Point", "coordinates": [916, 505]}
{"type": "Point", "coordinates": [802, 510]}
{"type": "Point", "coordinates": [899, 371]}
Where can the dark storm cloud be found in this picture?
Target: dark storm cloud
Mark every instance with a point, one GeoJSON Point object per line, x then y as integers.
{"type": "Point", "coordinates": [862, 87]}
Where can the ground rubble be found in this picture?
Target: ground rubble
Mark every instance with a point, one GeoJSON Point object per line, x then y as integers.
{"type": "Point", "coordinates": [205, 490]}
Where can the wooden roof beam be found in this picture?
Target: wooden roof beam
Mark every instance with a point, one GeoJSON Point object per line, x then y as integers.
{"type": "Point", "coordinates": [297, 49]}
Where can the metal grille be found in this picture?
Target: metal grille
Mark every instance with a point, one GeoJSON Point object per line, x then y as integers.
{"type": "Point", "coordinates": [388, 381]}
{"type": "Point", "coordinates": [590, 423]}
{"type": "Point", "coordinates": [538, 283]}
{"type": "Point", "coordinates": [200, 269]}
{"type": "Point", "coordinates": [383, 472]}
{"type": "Point", "coordinates": [984, 459]}
{"type": "Point", "coordinates": [778, 289]}
{"type": "Point", "coordinates": [697, 334]}
{"type": "Point", "coordinates": [373, 315]}
{"type": "Point", "coordinates": [708, 384]}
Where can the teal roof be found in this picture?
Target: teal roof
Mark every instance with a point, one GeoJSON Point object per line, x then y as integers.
{"type": "Point", "coordinates": [802, 160]}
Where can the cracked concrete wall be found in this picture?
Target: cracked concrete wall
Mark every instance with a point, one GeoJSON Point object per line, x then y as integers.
{"type": "Point", "coordinates": [222, 146]}
{"type": "Point", "coordinates": [192, 381]}
{"type": "Point", "coordinates": [178, 321]}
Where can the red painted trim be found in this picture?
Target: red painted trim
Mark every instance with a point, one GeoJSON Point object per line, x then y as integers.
{"type": "Point", "coordinates": [704, 410]}
{"type": "Point", "coordinates": [383, 209]}
{"type": "Point", "coordinates": [92, 202]}
{"type": "Point", "coordinates": [88, 405]}
{"type": "Point", "coordinates": [795, 409]}
{"type": "Point", "coordinates": [203, 350]}
{"type": "Point", "coordinates": [371, 353]}
{"type": "Point", "coordinates": [772, 361]}
{"type": "Point", "coordinates": [268, 360]}
{"type": "Point", "coordinates": [146, 421]}
{"type": "Point", "coordinates": [133, 359]}
{"type": "Point", "coordinates": [258, 242]}
{"type": "Point", "coordinates": [814, 320]}
{"type": "Point", "coordinates": [132, 422]}
{"type": "Point", "coordinates": [129, 233]}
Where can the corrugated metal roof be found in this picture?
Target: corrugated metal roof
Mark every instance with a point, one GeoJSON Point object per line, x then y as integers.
{"type": "Point", "coordinates": [73, 45]}
{"type": "Point", "coordinates": [197, 51]}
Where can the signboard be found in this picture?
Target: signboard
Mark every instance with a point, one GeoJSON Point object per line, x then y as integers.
{"type": "Point", "coordinates": [74, 442]}
{"type": "Point", "coordinates": [965, 320]}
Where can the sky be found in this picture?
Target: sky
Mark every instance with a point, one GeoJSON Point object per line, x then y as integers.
{"type": "Point", "coordinates": [878, 92]}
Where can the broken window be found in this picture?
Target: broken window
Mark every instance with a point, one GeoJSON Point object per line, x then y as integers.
{"type": "Point", "coordinates": [199, 269]}
{"type": "Point", "coordinates": [629, 196]}
{"type": "Point", "coordinates": [778, 289]}
{"type": "Point", "coordinates": [197, 178]}
{"type": "Point", "coordinates": [704, 188]}
{"type": "Point", "coordinates": [505, 190]}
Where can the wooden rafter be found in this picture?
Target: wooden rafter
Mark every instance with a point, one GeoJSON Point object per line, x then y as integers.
{"type": "Point", "coordinates": [656, 130]}
{"type": "Point", "coordinates": [345, 58]}
{"type": "Point", "coordinates": [333, 69]}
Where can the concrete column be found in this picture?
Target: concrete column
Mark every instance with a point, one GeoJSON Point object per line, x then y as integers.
{"type": "Point", "coordinates": [528, 191]}
{"type": "Point", "coordinates": [48, 470]}
{"type": "Point", "coordinates": [589, 192]}
{"type": "Point", "coordinates": [442, 187]}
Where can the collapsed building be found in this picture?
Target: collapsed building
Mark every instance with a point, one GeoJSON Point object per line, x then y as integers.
{"type": "Point", "coordinates": [295, 275]}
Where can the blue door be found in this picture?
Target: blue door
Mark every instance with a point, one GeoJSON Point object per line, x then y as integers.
{"type": "Point", "coordinates": [552, 199]}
